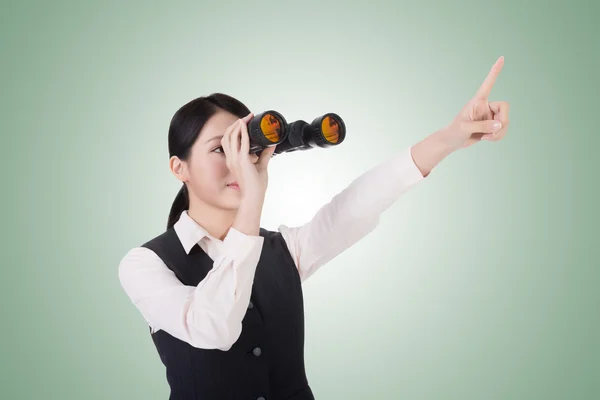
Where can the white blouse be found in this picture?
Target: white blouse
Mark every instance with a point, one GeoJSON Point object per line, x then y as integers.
{"type": "Point", "coordinates": [210, 315]}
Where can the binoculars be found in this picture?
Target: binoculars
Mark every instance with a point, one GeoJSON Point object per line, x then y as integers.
{"type": "Point", "coordinates": [270, 128]}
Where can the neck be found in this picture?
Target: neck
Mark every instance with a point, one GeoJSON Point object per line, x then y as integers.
{"type": "Point", "coordinates": [216, 221]}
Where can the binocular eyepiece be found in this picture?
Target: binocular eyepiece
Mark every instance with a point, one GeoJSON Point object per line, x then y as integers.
{"type": "Point", "coordinates": [270, 128]}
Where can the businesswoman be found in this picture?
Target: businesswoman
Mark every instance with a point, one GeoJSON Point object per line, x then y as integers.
{"type": "Point", "coordinates": [223, 296]}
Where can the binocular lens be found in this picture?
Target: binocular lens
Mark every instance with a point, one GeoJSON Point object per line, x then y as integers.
{"type": "Point", "coordinates": [266, 129]}
{"type": "Point", "coordinates": [327, 130]}
{"type": "Point", "coordinates": [271, 126]}
{"type": "Point", "coordinates": [331, 129]}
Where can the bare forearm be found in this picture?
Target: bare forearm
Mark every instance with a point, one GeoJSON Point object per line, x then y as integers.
{"type": "Point", "coordinates": [430, 151]}
{"type": "Point", "coordinates": [247, 219]}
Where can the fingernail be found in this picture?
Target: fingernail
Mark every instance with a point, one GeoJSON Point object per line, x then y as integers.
{"type": "Point", "coordinates": [496, 126]}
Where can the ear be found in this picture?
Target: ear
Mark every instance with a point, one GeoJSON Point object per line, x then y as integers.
{"type": "Point", "coordinates": [179, 168]}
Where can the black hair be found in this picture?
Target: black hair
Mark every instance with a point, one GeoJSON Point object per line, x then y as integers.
{"type": "Point", "coordinates": [184, 130]}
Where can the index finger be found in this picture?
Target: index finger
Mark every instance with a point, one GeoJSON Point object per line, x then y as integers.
{"type": "Point", "coordinates": [245, 146]}
{"type": "Point", "coordinates": [486, 87]}
{"type": "Point", "coordinates": [247, 117]}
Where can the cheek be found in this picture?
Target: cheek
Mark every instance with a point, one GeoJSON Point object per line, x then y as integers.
{"type": "Point", "coordinates": [210, 173]}
{"type": "Point", "coordinates": [218, 168]}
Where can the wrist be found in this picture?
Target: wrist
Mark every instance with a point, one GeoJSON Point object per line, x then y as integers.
{"type": "Point", "coordinates": [429, 152]}
{"type": "Point", "coordinates": [252, 200]}
{"type": "Point", "coordinates": [444, 142]}
{"type": "Point", "coordinates": [247, 219]}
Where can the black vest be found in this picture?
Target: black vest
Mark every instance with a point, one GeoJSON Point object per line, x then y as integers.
{"type": "Point", "coordinates": [267, 361]}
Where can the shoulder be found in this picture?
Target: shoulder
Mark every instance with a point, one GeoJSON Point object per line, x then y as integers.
{"type": "Point", "coordinates": [272, 238]}
{"type": "Point", "coordinates": [138, 254]}
{"type": "Point", "coordinates": [279, 241]}
{"type": "Point", "coordinates": [137, 259]}
{"type": "Point", "coordinates": [142, 257]}
{"type": "Point", "coordinates": [165, 239]}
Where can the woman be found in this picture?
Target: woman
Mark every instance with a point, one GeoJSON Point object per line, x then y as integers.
{"type": "Point", "coordinates": [222, 296]}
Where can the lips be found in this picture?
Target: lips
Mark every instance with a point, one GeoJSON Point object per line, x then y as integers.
{"type": "Point", "coordinates": [233, 185]}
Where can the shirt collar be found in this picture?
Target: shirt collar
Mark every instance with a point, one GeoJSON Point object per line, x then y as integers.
{"type": "Point", "coordinates": [188, 231]}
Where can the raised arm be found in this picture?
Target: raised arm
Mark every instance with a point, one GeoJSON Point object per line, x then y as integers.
{"type": "Point", "coordinates": [355, 211]}
{"type": "Point", "coordinates": [351, 214]}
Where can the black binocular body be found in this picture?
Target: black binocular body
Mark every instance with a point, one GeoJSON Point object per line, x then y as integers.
{"type": "Point", "coordinates": [270, 128]}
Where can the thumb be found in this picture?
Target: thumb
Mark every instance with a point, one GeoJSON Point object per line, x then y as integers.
{"type": "Point", "coordinates": [487, 126]}
{"type": "Point", "coordinates": [265, 157]}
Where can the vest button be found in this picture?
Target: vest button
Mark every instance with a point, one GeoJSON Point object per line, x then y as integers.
{"type": "Point", "coordinates": [257, 351]}
{"type": "Point", "coordinates": [250, 306]}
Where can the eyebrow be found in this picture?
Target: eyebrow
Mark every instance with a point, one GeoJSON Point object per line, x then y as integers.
{"type": "Point", "coordinates": [213, 138]}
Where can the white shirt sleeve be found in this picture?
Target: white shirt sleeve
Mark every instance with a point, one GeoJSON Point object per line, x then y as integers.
{"type": "Point", "coordinates": [351, 214]}
{"type": "Point", "coordinates": [206, 316]}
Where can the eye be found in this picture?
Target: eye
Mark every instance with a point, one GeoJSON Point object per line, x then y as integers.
{"type": "Point", "coordinates": [218, 148]}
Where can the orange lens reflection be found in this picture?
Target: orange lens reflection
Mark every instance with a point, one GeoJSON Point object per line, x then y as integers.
{"type": "Point", "coordinates": [271, 127]}
{"type": "Point", "coordinates": [331, 129]}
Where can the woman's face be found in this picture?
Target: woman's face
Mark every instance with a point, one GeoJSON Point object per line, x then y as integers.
{"type": "Point", "coordinates": [207, 170]}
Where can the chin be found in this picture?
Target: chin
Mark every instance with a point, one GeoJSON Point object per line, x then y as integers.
{"type": "Point", "coordinates": [231, 207]}
{"type": "Point", "coordinates": [229, 202]}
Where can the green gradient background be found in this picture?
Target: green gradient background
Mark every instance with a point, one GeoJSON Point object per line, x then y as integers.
{"type": "Point", "coordinates": [480, 283]}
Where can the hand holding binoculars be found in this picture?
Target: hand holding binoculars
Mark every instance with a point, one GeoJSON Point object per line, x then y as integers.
{"type": "Point", "coordinates": [270, 128]}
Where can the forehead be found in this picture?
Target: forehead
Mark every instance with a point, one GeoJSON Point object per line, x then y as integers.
{"type": "Point", "coordinates": [217, 125]}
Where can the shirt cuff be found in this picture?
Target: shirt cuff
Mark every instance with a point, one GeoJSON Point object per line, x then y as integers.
{"type": "Point", "coordinates": [238, 245]}
{"type": "Point", "coordinates": [403, 165]}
